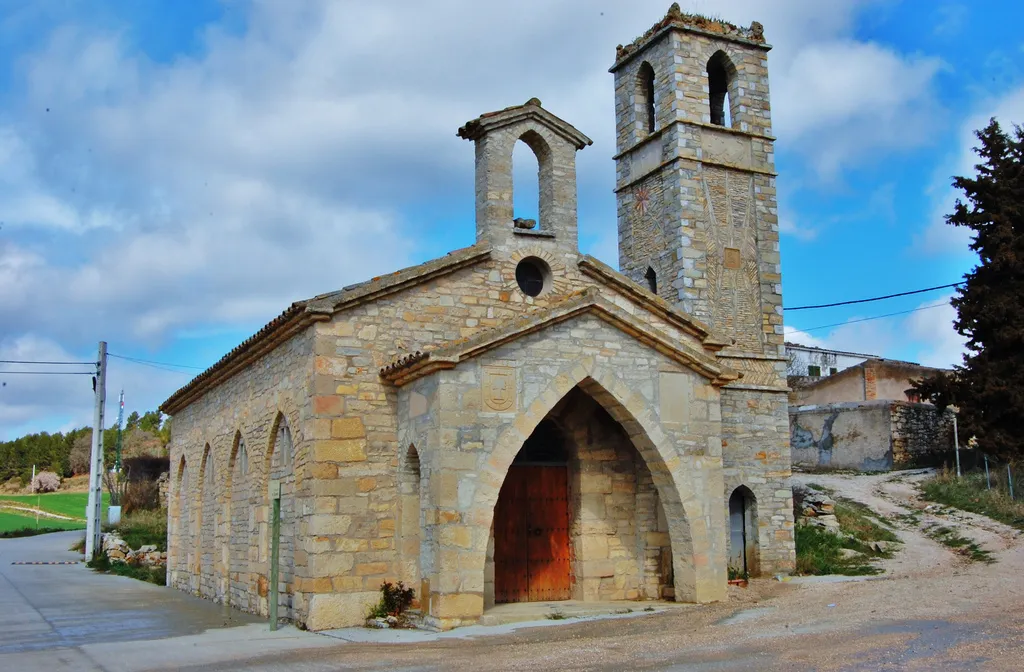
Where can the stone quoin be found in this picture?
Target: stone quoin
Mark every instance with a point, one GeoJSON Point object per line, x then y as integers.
{"type": "Point", "coordinates": [516, 420]}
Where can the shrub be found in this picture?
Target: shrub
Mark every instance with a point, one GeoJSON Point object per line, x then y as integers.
{"type": "Point", "coordinates": [140, 496]}
{"type": "Point", "coordinates": [46, 481]}
{"type": "Point", "coordinates": [818, 552]}
{"type": "Point", "coordinates": [970, 493]}
{"type": "Point", "coordinates": [116, 484]}
{"type": "Point", "coordinates": [101, 563]}
{"type": "Point", "coordinates": [394, 600]}
{"type": "Point", "coordinates": [146, 467]}
{"type": "Point", "coordinates": [142, 528]}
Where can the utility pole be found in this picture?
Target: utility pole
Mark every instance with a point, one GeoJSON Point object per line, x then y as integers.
{"type": "Point", "coordinates": [120, 424]}
{"type": "Point", "coordinates": [39, 501]}
{"type": "Point", "coordinates": [92, 526]}
{"type": "Point", "coordinates": [956, 442]}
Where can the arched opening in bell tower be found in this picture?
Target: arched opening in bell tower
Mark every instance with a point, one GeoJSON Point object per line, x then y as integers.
{"type": "Point", "coordinates": [721, 73]}
{"type": "Point", "coordinates": [645, 98]}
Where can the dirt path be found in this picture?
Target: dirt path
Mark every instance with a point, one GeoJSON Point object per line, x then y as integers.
{"type": "Point", "coordinates": [33, 511]}
{"type": "Point", "coordinates": [895, 498]}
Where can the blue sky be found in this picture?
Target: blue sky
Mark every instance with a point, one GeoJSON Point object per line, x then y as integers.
{"type": "Point", "coordinates": [173, 175]}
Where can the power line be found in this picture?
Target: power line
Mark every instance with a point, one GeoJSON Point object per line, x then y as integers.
{"type": "Point", "coordinates": [35, 361]}
{"type": "Point", "coordinates": [156, 364]}
{"type": "Point", "coordinates": [876, 298]}
{"type": "Point", "coordinates": [51, 373]}
{"type": "Point", "coordinates": [876, 317]}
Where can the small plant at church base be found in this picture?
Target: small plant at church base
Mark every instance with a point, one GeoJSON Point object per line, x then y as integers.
{"type": "Point", "coordinates": [737, 575]}
{"type": "Point", "coordinates": [395, 600]}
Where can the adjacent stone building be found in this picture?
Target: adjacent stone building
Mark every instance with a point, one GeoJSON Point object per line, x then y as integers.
{"type": "Point", "coordinates": [867, 418]}
{"type": "Point", "coordinates": [516, 420]}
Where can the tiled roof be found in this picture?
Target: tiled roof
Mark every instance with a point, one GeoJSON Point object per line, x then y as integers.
{"type": "Point", "coordinates": [301, 314]}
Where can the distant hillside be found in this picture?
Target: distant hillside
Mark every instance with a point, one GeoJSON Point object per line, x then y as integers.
{"type": "Point", "coordinates": [68, 453]}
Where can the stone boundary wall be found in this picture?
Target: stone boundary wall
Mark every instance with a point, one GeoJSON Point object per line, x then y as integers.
{"type": "Point", "coordinates": [922, 436]}
{"type": "Point", "coordinates": [870, 436]}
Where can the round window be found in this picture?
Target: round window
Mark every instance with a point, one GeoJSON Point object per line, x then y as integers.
{"type": "Point", "coordinates": [532, 275]}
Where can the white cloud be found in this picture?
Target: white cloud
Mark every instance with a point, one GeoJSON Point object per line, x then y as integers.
{"type": "Point", "coordinates": [950, 18]}
{"type": "Point", "coordinates": [843, 101]}
{"type": "Point", "coordinates": [794, 335]}
{"type": "Point", "coordinates": [153, 198]}
{"type": "Point", "coordinates": [791, 225]}
{"type": "Point", "coordinates": [932, 328]}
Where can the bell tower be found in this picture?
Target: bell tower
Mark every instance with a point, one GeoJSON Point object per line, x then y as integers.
{"type": "Point", "coordinates": [698, 225]}
{"type": "Point", "coordinates": [695, 178]}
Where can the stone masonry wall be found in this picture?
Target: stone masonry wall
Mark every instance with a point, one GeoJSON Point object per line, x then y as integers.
{"type": "Point", "coordinates": [842, 436]}
{"type": "Point", "coordinates": [922, 436]}
{"type": "Point", "coordinates": [697, 205]}
{"type": "Point", "coordinates": [214, 550]}
{"type": "Point", "coordinates": [870, 436]}
{"type": "Point", "coordinates": [756, 454]}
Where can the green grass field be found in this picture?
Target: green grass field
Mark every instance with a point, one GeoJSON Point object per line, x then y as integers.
{"type": "Point", "coordinates": [12, 521]}
{"type": "Point", "coordinates": [62, 503]}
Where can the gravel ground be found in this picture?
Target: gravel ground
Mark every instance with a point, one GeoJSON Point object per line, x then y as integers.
{"type": "Point", "coordinates": [932, 610]}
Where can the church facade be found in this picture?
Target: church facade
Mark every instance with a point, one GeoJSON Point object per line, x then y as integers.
{"type": "Point", "coordinates": [517, 421]}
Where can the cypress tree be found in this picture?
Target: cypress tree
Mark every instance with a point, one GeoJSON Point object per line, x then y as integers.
{"type": "Point", "coordinates": [988, 387]}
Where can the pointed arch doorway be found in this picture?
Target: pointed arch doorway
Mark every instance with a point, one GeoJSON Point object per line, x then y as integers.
{"type": "Point", "coordinates": [743, 532]}
{"type": "Point", "coordinates": [531, 522]}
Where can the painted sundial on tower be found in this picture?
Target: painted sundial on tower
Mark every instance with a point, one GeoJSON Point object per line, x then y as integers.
{"type": "Point", "coordinates": [641, 200]}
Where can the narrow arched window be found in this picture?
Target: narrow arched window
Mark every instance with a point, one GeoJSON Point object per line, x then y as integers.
{"type": "Point", "coordinates": [283, 444]}
{"type": "Point", "coordinates": [183, 494]}
{"type": "Point", "coordinates": [209, 478]}
{"type": "Point", "coordinates": [652, 280]}
{"type": "Point", "coordinates": [720, 75]}
{"type": "Point", "coordinates": [242, 459]}
{"type": "Point", "coordinates": [645, 97]}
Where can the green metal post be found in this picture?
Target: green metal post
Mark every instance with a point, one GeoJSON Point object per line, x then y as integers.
{"type": "Point", "coordinates": [275, 533]}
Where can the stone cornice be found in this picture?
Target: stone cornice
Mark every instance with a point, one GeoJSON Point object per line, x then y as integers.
{"type": "Point", "coordinates": [651, 137]}
{"type": "Point", "coordinates": [491, 121]}
{"type": "Point", "coordinates": [657, 305]}
{"type": "Point", "coordinates": [588, 302]}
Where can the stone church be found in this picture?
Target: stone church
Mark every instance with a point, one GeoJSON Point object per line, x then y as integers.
{"type": "Point", "coordinates": [517, 421]}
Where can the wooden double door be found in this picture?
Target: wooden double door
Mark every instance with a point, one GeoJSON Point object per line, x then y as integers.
{"type": "Point", "coordinates": [531, 535]}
